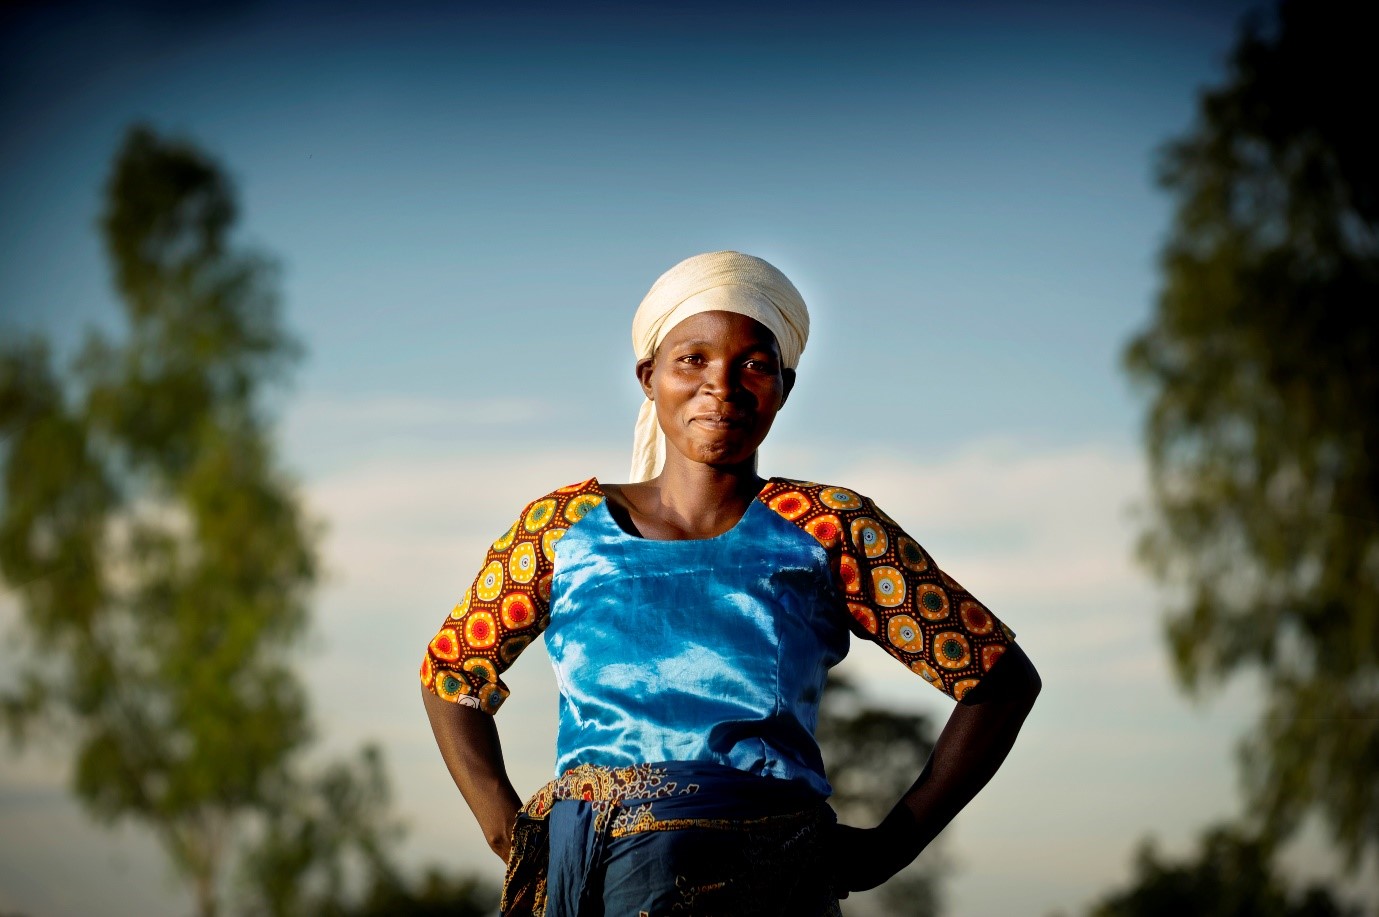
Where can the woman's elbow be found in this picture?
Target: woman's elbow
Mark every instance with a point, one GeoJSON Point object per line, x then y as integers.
{"type": "Point", "coordinates": [1012, 680]}
{"type": "Point", "coordinates": [1031, 685]}
{"type": "Point", "coordinates": [1025, 681]}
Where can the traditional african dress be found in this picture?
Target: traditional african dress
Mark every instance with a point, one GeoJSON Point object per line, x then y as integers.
{"type": "Point", "coordinates": [690, 674]}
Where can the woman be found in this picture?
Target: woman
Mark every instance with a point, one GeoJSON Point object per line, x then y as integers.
{"type": "Point", "coordinates": [692, 616]}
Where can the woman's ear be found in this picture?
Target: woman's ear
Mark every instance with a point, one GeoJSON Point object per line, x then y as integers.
{"type": "Point", "coordinates": [644, 370]}
{"type": "Point", "coordinates": [788, 377]}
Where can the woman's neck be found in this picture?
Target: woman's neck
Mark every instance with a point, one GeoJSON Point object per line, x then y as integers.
{"type": "Point", "coordinates": [691, 499]}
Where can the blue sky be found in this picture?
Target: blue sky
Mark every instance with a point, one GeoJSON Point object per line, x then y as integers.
{"type": "Point", "coordinates": [467, 204]}
{"type": "Point", "coordinates": [980, 177]}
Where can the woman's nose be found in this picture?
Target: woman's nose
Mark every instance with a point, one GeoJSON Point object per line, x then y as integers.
{"type": "Point", "coordinates": [721, 380]}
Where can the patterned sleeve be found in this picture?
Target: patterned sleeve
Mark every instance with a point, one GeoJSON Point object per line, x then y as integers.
{"type": "Point", "coordinates": [896, 595]}
{"type": "Point", "coordinates": [507, 606]}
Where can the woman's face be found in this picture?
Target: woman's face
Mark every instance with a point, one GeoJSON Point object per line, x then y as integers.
{"type": "Point", "coordinates": [717, 383]}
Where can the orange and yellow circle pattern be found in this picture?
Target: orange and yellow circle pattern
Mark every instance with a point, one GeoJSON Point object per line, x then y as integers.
{"type": "Point", "coordinates": [932, 601]}
{"type": "Point", "coordinates": [869, 538]}
{"type": "Point", "coordinates": [791, 505]}
{"type": "Point", "coordinates": [826, 529]}
{"type": "Point", "coordinates": [863, 616]}
{"type": "Point", "coordinates": [905, 634]}
{"type": "Point", "coordinates": [522, 563]}
{"type": "Point", "coordinates": [490, 581]}
{"type": "Point", "coordinates": [888, 586]}
{"type": "Point", "coordinates": [508, 604]}
{"type": "Point", "coordinates": [539, 515]}
{"type": "Point", "coordinates": [893, 592]}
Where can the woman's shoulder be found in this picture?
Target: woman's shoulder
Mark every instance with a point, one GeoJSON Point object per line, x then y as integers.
{"type": "Point", "coordinates": [837, 516]}
{"type": "Point", "coordinates": [796, 499]}
{"type": "Point", "coordinates": [561, 507]}
{"type": "Point", "coordinates": [568, 491]}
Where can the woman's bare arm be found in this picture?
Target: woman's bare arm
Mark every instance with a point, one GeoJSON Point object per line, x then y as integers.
{"type": "Point", "coordinates": [979, 733]}
{"type": "Point", "coordinates": [468, 741]}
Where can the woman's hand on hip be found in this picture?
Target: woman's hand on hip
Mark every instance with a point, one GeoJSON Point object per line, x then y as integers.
{"type": "Point", "coordinates": [863, 858]}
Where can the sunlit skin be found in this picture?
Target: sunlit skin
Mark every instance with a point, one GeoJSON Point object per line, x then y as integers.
{"type": "Point", "coordinates": [717, 383]}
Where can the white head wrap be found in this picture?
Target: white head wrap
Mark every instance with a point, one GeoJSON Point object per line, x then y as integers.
{"type": "Point", "coordinates": [716, 281]}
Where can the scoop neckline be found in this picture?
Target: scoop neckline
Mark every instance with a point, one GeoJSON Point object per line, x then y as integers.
{"type": "Point", "coordinates": [603, 505]}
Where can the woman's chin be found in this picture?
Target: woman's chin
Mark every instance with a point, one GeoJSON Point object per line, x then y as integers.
{"type": "Point", "coordinates": [724, 458]}
{"type": "Point", "coordinates": [718, 451]}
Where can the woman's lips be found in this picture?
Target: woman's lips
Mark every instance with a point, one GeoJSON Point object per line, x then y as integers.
{"type": "Point", "coordinates": [720, 421]}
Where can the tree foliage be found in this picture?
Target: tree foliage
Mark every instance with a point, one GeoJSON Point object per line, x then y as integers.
{"type": "Point", "coordinates": [161, 558]}
{"type": "Point", "coordinates": [436, 894]}
{"type": "Point", "coordinates": [337, 822]}
{"type": "Point", "coordinates": [1232, 876]}
{"type": "Point", "coordinates": [872, 756]}
{"type": "Point", "coordinates": [1262, 361]}
{"type": "Point", "coordinates": [327, 853]}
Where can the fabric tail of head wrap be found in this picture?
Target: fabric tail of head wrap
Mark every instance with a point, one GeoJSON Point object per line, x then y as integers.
{"type": "Point", "coordinates": [714, 281]}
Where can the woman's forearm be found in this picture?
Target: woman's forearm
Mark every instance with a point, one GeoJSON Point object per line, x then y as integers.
{"type": "Point", "coordinates": [468, 741]}
{"type": "Point", "coordinates": [976, 739]}
{"type": "Point", "coordinates": [974, 742]}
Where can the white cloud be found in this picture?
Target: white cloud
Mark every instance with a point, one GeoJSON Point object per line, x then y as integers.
{"type": "Point", "coordinates": [373, 412]}
{"type": "Point", "coordinates": [324, 433]}
{"type": "Point", "coordinates": [1051, 521]}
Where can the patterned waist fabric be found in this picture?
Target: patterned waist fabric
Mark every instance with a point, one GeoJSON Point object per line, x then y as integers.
{"type": "Point", "coordinates": [683, 838]}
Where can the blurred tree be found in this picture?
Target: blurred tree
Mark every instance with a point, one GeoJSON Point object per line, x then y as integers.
{"type": "Point", "coordinates": [872, 755]}
{"type": "Point", "coordinates": [333, 831]}
{"type": "Point", "coordinates": [1233, 876]}
{"type": "Point", "coordinates": [1263, 433]}
{"type": "Point", "coordinates": [160, 556]}
{"type": "Point", "coordinates": [320, 830]}
{"type": "Point", "coordinates": [435, 895]}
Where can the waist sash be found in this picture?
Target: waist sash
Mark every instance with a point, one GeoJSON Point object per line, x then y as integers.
{"type": "Point", "coordinates": [563, 833]}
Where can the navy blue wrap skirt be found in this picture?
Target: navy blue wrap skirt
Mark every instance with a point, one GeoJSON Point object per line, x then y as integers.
{"type": "Point", "coordinates": [683, 838]}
